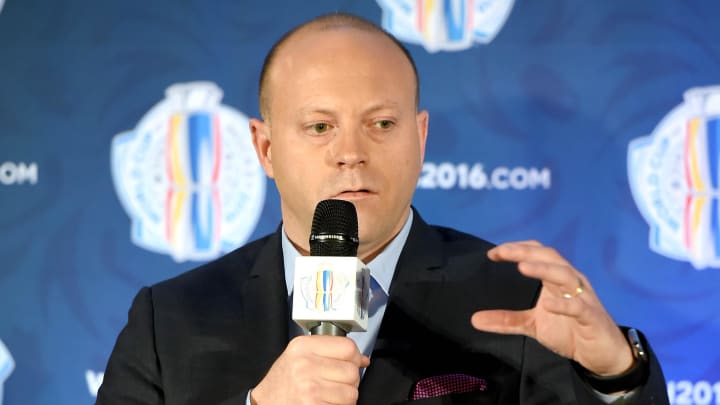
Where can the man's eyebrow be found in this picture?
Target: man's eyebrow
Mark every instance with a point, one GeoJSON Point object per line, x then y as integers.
{"type": "Point", "coordinates": [315, 110]}
{"type": "Point", "coordinates": [381, 106]}
{"type": "Point", "coordinates": [370, 109]}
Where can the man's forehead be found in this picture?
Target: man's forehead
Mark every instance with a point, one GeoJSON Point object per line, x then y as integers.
{"type": "Point", "coordinates": [338, 53]}
{"type": "Point", "coordinates": [311, 36]}
{"type": "Point", "coordinates": [321, 51]}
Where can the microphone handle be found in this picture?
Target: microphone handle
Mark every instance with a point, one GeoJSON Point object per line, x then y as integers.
{"type": "Point", "coordinates": [328, 329]}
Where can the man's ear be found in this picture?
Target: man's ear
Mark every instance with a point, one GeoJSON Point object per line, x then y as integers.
{"type": "Point", "coordinates": [260, 131]}
{"type": "Point", "coordinates": [423, 118]}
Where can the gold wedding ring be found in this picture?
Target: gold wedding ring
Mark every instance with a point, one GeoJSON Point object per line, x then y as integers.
{"type": "Point", "coordinates": [578, 290]}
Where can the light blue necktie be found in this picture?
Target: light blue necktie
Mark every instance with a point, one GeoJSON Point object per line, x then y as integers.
{"type": "Point", "coordinates": [377, 297]}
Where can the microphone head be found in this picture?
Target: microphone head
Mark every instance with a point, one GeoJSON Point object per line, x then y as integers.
{"type": "Point", "coordinates": [334, 229]}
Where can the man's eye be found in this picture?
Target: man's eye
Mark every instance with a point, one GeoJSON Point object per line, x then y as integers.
{"type": "Point", "coordinates": [320, 127]}
{"type": "Point", "coordinates": [384, 124]}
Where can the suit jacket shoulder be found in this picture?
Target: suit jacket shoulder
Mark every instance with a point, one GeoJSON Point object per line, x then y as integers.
{"type": "Point", "coordinates": [205, 336]}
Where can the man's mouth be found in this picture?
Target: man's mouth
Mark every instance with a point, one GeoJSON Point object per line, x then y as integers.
{"type": "Point", "coordinates": [353, 194]}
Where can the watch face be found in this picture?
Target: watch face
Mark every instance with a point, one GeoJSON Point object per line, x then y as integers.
{"type": "Point", "coordinates": [636, 344]}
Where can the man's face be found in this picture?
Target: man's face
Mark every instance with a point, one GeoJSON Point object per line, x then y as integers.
{"type": "Point", "coordinates": [342, 123]}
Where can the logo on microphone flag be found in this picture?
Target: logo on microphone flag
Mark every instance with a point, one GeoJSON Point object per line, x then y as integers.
{"type": "Point", "coordinates": [445, 25]}
{"type": "Point", "coordinates": [324, 289]}
{"type": "Point", "coordinates": [674, 177]}
{"type": "Point", "coordinates": [187, 175]}
{"type": "Point", "coordinates": [7, 365]}
{"type": "Point", "coordinates": [330, 288]}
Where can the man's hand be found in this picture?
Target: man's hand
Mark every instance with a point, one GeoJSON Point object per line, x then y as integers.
{"type": "Point", "coordinates": [568, 319]}
{"type": "Point", "coordinates": [313, 370]}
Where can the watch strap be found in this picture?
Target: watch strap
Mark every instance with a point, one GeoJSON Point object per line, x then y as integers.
{"type": "Point", "coordinates": [631, 378]}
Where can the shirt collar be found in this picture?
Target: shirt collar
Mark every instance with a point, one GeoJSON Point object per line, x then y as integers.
{"type": "Point", "coordinates": [382, 267]}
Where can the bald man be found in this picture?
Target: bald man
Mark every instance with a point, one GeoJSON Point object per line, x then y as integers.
{"type": "Point", "coordinates": [511, 324]}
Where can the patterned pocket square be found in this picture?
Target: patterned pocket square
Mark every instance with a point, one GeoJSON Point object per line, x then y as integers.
{"type": "Point", "coordinates": [440, 385]}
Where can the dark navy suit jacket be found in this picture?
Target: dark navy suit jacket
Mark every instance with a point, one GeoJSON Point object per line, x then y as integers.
{"type": "Point", "coordinates": [209, 335]}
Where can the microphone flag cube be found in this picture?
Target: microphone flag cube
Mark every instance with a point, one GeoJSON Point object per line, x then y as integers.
{"type": "Point", "coordinates": [331, 289]}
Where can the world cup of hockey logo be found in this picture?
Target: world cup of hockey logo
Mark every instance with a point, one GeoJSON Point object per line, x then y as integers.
{"type": "Point", "coordinates": [445, 25]}
{"type": "Point", "coordinates": [187, 175]}
{"type": "Point", "coordinates": [324, 289]}
{"type": "Point", "coordinates": [675, 180]}
{"type": "Point", "coordinates": [7, 364]}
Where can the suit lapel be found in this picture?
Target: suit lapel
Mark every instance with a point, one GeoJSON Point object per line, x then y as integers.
{"type": "Point", "coordinates": [389, 378]}
{"type": "Point", "coordinates": [265, 306]}
{"type": "Point", "coordinates": [426, 329]}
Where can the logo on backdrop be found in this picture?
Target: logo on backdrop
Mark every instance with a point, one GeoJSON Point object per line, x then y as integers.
{"type": "Point", "coordinates": [187, 175]}
{"type": "Point", "coordinates": [675, 180]}
{"type": "Point", "coordinates": [445, 25]}
{"type": "Point", "coordinates": [7, 364]}
{"type": "Point", "coordinates": [18, 173]}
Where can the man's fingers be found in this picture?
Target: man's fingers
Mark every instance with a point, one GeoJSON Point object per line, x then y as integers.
{"type": "Point", "coordinates": [504, 321]}
{"type": "Point", "coordinates": [572, 307]}
{"type": "Point", "coordinates": [525, 251]}
{"type": "Point", "coordinates": [338, 371]}
{"type": "Point", "coordinates": [523, 322]}
{"type": "Point", "coordinates": [557, 274]}
{"type": "Point", "coordinates": [545, 264]}
{"type": "Point", "coordinates": [336, 393]}
{"type": "Point", "coordinates": [335, 358]}
{"type": "Point", "coordinates": [318, 369]}
{"type": "Point", "coordinates": [335, 347]}
{"type": "Point", "coordinates": [562, 279]}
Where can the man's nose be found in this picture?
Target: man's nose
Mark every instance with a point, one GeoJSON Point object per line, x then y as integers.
{"type": "Point", "coordinates": [348, 149]}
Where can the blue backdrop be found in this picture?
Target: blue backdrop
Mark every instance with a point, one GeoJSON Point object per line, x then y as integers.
{"type": "Point", "coordinates": [563, 121]}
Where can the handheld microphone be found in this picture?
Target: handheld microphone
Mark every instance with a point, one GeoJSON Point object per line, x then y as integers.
{"type": "Point", "coordinates": [332, 285]}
